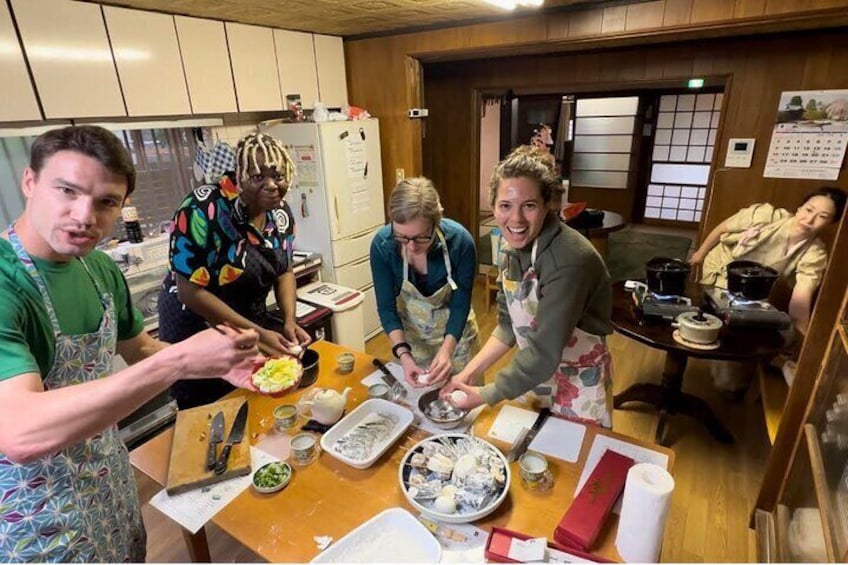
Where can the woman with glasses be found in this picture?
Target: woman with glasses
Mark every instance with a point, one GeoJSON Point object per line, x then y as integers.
{"type": "Point", "coordinates": [424, 268]}
{"type": "Point", "coordinates": [555, 304]}
{"type": "Point", "coordinates": [231, 245]}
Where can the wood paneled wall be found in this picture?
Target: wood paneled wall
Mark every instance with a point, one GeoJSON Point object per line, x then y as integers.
{"type": "Point", "coordinates": [612, 46]}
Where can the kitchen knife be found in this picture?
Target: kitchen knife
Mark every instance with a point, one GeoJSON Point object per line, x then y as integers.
{"type": "Point", "coordinates": [523, 440]}
{"type": "Point", "coordinates": [236, 435]}
{"type": "Point", "coordinates": [216, 436]}
{"type": "Point", "coordinates": [396, 387]}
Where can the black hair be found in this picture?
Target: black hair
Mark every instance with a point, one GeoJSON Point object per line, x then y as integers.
{"type": "Point", "coordinates": [836, 195]}
{"type": "Point", "coordinates": [92, 141]}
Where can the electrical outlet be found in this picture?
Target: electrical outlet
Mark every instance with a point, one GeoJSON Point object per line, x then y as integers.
{"type": "Point", "coordinates": [400, 174]}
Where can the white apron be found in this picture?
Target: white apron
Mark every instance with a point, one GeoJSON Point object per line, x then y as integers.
{"type": "Point", "coordinates": [581, 387]}
{"type": "Point", "coordinates": [425, 318]}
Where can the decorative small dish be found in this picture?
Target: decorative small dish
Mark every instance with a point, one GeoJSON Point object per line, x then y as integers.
{"type": "Point", "coordinates": [271, 477]}
{"type": "Point", "coordinates": [277, 376]}
{"type": "Point", "coordinates": [361, 437]}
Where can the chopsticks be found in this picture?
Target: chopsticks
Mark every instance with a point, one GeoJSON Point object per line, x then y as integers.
{"type": "Point", "coordinates": [233, 327]}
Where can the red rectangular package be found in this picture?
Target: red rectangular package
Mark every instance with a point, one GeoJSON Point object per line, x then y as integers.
{"type": "Point", "coordinates": [588, 511]}
{"type": "Point", "coordinates": [500, 539]}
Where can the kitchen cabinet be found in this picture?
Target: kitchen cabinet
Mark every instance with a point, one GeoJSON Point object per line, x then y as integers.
{"type": "Point", "coordinates": [329, 60]}
{"type": "Point", "coordinates": [19, 101]}
{"type": "Point", "coordinates": [206, 60]}
{"type": "Point", "coordinates": [254, 64]}
{"type": "Point", "coordinates": [71, 61]}
{"type": "Point", "coordinates": [296, 65]}
{"type": "Point", "coordinates": [147, 56]}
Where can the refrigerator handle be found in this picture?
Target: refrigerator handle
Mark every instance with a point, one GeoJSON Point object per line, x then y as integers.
{"type": "Point", "coordinates": [336, 207]}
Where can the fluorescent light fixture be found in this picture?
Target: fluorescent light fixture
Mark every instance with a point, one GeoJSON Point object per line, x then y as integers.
{"type": "Point", "coordinates": [513, 4]}
{"type": "Point", "coordinates": [695, 83]}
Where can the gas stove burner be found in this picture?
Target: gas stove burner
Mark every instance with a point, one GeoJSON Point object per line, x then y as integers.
{"type": "Point", "coordinates": [736, 301]}
{"type": "Point", "coordinates": [671, 298]}
{"type": "Point", "coordinates": [667, 306]}
{"type": "Point", "coordinates": [738, 311]}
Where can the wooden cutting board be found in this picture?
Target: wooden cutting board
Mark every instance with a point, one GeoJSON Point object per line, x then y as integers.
{"type": "Point", "coordinates": [187, 468]}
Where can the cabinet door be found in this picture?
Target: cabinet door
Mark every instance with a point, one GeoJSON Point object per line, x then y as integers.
{"type": "Point", "coordinates": [148, 59]}
{"type": "Point", "coordinates": [19, 102]}
{"type": "Point", "coordinates": [71, 61]}
{"type": "Point", "coordinates": [203, 44]}
{"type": "Point", "coordinates": [254, 67]}
{"type": "Point", "coordinates": [329, 59]}
{"type": "Point", "coordinates": [296, 65]}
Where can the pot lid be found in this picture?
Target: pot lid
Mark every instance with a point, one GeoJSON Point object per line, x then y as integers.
{"type": "Point", "coordinates": [667, 264]}
{"type": "Point", "coordinates": [699, 320]}
{"type": "Point", "coordinates": [749, 269]}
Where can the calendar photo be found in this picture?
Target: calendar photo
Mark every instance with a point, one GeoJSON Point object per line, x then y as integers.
{"type": "Point", "coordinates": [810, 135]}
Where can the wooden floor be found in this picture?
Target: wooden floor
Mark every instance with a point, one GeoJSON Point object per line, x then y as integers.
{"type": "Point", "coordinates": [716, 484]}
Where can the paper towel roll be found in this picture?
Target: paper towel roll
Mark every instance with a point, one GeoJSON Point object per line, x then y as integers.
{"type": "Point", "coordinates": [644, 508]}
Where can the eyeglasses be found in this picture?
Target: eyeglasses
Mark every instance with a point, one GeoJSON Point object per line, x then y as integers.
{"type": "Point", "coordinates": [402, 239]}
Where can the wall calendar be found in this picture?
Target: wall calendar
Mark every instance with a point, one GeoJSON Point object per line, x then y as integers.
{"type": "Point", "coordinates": [810, 135]}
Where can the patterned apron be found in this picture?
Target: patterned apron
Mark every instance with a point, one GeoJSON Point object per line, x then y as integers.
{"type": "Point", "coordinates": [79, 504]}
{"type": "Point", "coordinates": [425, 318]}
{"type": "Point", "coordinates": [581, 388]}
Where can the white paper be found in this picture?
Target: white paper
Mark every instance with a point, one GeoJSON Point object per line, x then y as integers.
{"type": "Point", "coordinates": [559, 438]}
{"type": "Point", "coordinates": [527, 550]}
{"type": "Point", "coordinates": [355, 153]}
{"type": "Point", "coordinates": [461, 543]}
{"type": "Point", "coordinates": [638, 454]}
{"type": "Point", "coordinates": [193, 509]}
{"type": "Point", "coordinates": [510, 421]}
{"type": "Point", "coordinates": [557, 556]}
{"type": "Point", "coordinates": [411, 401]}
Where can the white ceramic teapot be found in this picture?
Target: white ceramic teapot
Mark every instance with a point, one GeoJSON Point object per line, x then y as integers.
{"type": "Point", "coordinates": [324, 405]}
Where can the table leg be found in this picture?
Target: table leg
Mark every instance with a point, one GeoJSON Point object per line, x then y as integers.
{"type": "Point", "coordinates": [668, 398]}
{"type": "Point", "coordinates": [198, 546]}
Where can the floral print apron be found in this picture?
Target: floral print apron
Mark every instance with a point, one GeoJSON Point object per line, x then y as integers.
{"type": "Point", "coordinates": [425, 318]}
{"type": "Point", "coordinates": [79, 504]}
{"type": "Point", "coordinates": [581, 387]}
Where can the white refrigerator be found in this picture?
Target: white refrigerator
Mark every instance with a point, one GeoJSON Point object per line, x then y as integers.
{"type": "Point", "coordinates": [337, 199]}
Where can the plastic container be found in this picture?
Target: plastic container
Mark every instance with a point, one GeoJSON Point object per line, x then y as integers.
{"type": "Point", "coordinates": [346, 304]}
{"type": "Point", "coordinates": [392, 536]}
{"type": "Point", "coordinates": [350, 421]}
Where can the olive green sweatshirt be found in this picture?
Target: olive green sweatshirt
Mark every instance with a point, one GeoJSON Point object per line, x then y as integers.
{"type": "Point", "coordinates": [574, 291]}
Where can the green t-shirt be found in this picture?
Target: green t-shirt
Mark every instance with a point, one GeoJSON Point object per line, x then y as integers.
{"type": "Point", "coordinates": [26, 336]}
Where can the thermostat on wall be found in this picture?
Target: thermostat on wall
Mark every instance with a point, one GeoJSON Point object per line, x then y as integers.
{"type": "Point", "coordinates": [739, 153]}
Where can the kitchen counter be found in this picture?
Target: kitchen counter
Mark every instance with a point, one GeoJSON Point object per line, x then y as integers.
{"type": "Point", "coordinates": [329, 498]}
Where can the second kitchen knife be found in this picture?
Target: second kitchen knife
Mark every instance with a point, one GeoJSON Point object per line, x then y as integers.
{"type": "Point", "coordinates": [523, 442]}
{"type": "Point", "coordinates": [216, 436]}
{"type": "Point", "coordinates": [236, 435]}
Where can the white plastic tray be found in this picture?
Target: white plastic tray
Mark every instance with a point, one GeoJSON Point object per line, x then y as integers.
{"type": "Point", "coordinates": [392, 536]}
{"type": "Point", "coordinates": [404, 416]}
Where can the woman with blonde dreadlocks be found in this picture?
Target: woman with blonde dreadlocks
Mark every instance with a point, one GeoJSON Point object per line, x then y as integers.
{"type": "Point", "coordinates": [232, 244]}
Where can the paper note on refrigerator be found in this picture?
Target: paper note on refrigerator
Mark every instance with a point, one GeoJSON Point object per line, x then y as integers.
{"type": "Point", "coordinates": [357, 164]}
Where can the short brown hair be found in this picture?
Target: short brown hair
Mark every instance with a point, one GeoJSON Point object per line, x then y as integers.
{"type": "Point", "coordinates": [413, 198]}
{"type": "Point", "coordinates": [528, 162]}
{"type": "Point", "coordinates": [92, 141]}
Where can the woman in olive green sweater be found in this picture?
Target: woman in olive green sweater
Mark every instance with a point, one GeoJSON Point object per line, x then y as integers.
{"type": "Point", "coordinates": [554, 303]}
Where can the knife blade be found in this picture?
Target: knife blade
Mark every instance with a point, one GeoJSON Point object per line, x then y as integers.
{"type": "Point", "coordinates": [526, 436]}
{"type": "Point", "coordinates": [395, 386]}
{"type": "Point", "coordinates": [236, 435]}
{"type": "Point", "coordinates": [216, 436]}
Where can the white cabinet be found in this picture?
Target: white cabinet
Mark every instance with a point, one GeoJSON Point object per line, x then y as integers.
{"type": "Point", "coordinates": [148, 59]}
{"type": "Point", "coordinates": [254, 67]}
{"type": "Point", "coordinates": [296, 65]}
{"type": "Point", "coordinates": [68, 51]}
{"type": "Point", "coordinates": [329, 59]}
{"type": "Point", "coordinates": [203, 44]}
{"type": "Point", "coordinates": [19, 101]}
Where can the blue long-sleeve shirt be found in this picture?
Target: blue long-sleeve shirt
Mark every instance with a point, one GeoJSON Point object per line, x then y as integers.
{"type": "Point", "coordinates": [387, 271]}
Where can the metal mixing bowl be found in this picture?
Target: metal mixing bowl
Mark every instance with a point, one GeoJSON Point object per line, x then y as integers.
{"type": "Point", "coordinates": [449, 417]}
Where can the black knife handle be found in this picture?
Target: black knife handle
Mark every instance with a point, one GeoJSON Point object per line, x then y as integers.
{"type": "Point", "coordinates": [221, 465]}
{"type": "Point", "coordinates": [211, 455]}
{"type": "Point", "coordinates": [540, 419]}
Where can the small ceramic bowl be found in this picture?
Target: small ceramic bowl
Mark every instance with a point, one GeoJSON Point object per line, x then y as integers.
{"type": "Point", "coordinates": [345, 362]}
{"type": "Point", "coordinates": [285, 416]}
{"type": "Point", "coordinates": [379, 390]}
{"type": "Point", "coordinates": [283, 472]}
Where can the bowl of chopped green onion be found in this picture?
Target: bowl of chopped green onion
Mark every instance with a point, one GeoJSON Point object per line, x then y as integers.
{"type": "Point", "coordinates": [272, 477]}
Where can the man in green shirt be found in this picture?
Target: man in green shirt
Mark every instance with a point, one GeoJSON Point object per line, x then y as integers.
{"type": "Point", "coordinates": [66, 488]}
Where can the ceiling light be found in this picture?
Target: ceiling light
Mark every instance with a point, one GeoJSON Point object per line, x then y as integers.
{"type": "Point", "coordinates": [513, 4]}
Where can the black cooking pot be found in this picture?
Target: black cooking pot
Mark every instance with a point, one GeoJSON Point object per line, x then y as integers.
{"type": "Point", "coordinates": [667, 276]}
{"type": "Point", "coordinates": [750, 280]}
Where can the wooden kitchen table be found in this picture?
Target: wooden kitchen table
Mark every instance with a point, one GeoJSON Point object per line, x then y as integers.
{"type": "Point", "coordinates": [329, 498]}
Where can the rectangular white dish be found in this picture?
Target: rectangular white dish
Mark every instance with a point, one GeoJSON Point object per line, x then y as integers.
{"type": "Point", "coordinates": [371, 406]}
{"type": "Point", "coordinates": [392, 536]}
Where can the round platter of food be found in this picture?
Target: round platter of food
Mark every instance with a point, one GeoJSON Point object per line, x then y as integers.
{"type": "Point", "coordinates": [454, 478]}
{"type": "Point", "coordinates": [277, 375]}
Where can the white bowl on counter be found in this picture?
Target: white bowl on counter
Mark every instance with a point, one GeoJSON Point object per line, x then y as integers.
{"type": "Point", "coordinates": [392, 536]}
{"type": "Point", "coordinates": [372, 406]}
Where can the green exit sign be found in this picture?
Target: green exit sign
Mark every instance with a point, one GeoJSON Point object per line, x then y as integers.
{"type": "Point", "coordinates": [695, 83]}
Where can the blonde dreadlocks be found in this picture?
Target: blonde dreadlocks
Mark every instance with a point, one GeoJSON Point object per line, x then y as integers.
{"type": "Point", "coordinates": [273, 150]}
